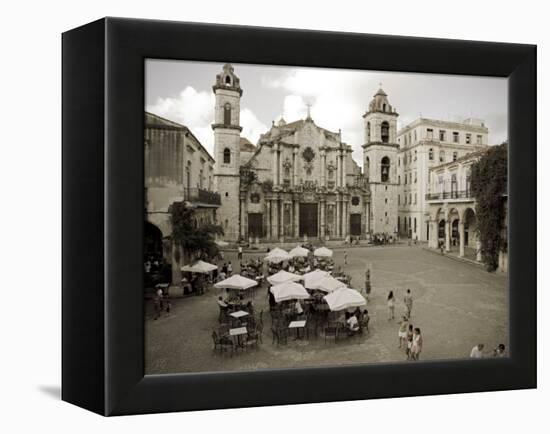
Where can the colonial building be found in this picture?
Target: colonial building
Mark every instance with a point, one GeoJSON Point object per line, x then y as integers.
{"type": "Point", "coordinates": [424, 144]}
{"type": "Point", "coordinates": [298, 182]}
{"type": "Point", "coordinates": [451, 207]}
{"type": "Point", "coordinates": [177, 168]}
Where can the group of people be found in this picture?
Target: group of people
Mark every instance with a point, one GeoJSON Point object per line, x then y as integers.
{"type": "Point", "coordinates": [410, 339]}
{"type": "Point", "coordinates": [226, 271]}
{"type": "Point", "coordinates": [477, 351]}
{"type": "Point", "coordinates": [357, 319]}
{"type": "Point", "coordinates": [407, 300]}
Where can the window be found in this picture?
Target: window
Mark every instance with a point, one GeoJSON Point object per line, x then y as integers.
{"type": "Point", "coordinates": [479, 139]}
{"type": "Point", "coordinates": [410, 198]}
{"type": "Point", "coordinates": [415, 177]}
{"type": "Point", "coordinates": [398, 201]}
{"type": "Point", "coordinates": [431, 154]}
{"type": "Point", "coordinates": [368, 132]}
{"type": "Point", "coordinates": [226, 195]}
{"type": "Point", "coordinates": [385, 132]}
{"type": "Point", "coordinates": [454, 189]}
{"type": "Point", "coordinates": [399, 162]}
{"type": "Point", "coordinates": [383, 107]}
{"type": "Point", "coordinates": [430, 133]}
{"type": "Point", "coordinates": [415, 224]}
{"type": "Point", "coordinates": [385, 169]}
{"type": "Point", "coordinates": [455, 156]}
{"type": "Point", "coordinates": [226, 156]}
{"type": "Point", "coordinates": [227, 114]}
{"type": "Point", "coordinates": [455, 137]}
{"type": "Point", "coordinates": [227, 79]}
{"type": "Point", "coordinates": [367, 168]}
{"type": "Point", "coordinates": [415, 197]}
{"type": "Point", "coordinates": [355, 200]}
{"type": "Point", "coordinates": [442, 135]}
{"type": "Point", "coordinates": [442, 156]}
{"type": "Point", "coordinates": [415, 155]}
{"type": "Point", "coordinates": [415, 135]}
{"type": "Point", "coordinates": [405, 197]}
{"type": "Point", "coordinates": [399, 179]}
{"type": "Point", "coordinates": [386, 200]}
{"type": "Point", "coordinates": [468, 139]}
{"type": "Point", "coordinates": [405, 179]}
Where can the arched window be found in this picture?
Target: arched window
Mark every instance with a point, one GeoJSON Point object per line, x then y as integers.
{"type": "Point", "coordinates": [442, 156]}
{"type": "Point", "coordinates": [227, 79]}
{"type": "Point", "coordinates": [454, 187]}
{"type": "Point", "coordinates": [385, 169]}
{"type": "Point", "coordinates": [368, 132]}
{"type": "Point", "coordinates": [226, 156]}
{"type": "Point", "coordinates": [385, 132]}
{"type": "Point", "coordinates": [431, 154]}
{"type": "Point", "coordinates": [383, 107]}
{"type": "Point", "coordinates": [367, 168]}
{"type": "Point", "coordinates": [227, 114]}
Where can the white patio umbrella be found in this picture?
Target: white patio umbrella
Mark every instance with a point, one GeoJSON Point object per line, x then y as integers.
{"type": "Point", "coordinates": [329, 284]}
{"type": "Point", "coordinates": [221, 243]}
{"type": "Point", "coordinates": [289, 291]}
{"type": "Point", "coordinates": [311, 279]}
{"type": "Point", "coordinates": [236, 282]}
{"type": "Point", "coordinates": [199, 267]}
{"type": "Point", "coordinates": [344, 298]}
{"type": "Point", "coordinates": [277, 255]}
{"type": "Point", "coordinates": [299, 251]}
{"type": "Point", "coordinates": [323, 252]}
{"type": "Point", "coordinates": [283, 276]}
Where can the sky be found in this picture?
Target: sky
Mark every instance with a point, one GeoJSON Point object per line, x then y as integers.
{"type": "Point", "coordinates": [181, 91]}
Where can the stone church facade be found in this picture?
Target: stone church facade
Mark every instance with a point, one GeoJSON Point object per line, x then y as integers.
{"type": "Point", "coordinates": [300, 180]}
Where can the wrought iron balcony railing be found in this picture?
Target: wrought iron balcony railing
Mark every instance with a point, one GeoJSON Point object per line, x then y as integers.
{"type": "Point", "coordinates": [201, 196]}
{"type": "Point", "coordinates": [463, 194]}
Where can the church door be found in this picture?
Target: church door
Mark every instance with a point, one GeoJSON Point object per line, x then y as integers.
{"type": "Point", "coordinates": [308, 220]}
{"type": "Point", "coordinates": [255, 225]}
{"type": "Point", "coordinates": [355, 224]}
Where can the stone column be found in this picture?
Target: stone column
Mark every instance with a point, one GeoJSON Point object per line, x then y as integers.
{"type": "Point", "coordinates": [479, 256]}
{"type": "Point", "coordinates": [322, 226]}
{"type": "Point", "coordinates": [281, 220]}
{"type": "Point", "coordinates": [274, 162]}
{"type": "Point", "coordinates": [295, 167]}
{"type": "Point", "coordinates": [275, 222]}
{"type": "Point", "coordinates": [243, 214]}
{"type": "Point", "coordinates": [461, 238]}
{"type": "Point", "coordinates": [447, 235]}
{"type": "Point", "coordinates": [338, 217]}
{"type": "Point", "coordinates": [268, 218]}
{"type": "Point", "coordinates": [296, 218]}
{"type": "Point", "coordinates": [345, 219]}
{"type": "Point", "coordinates": [344, 174]}
{"type": "Point", "coordinates": [323, 168]}
{"type": "Point", "coordinates": [280, 165]}
{"type": "Point", "coordinates": [338, 169]}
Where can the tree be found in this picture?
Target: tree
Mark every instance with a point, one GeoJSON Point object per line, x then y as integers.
{"type": "Point", "coordinates": [197, 241]}
{"type": "Point", "coordinates": [489, 181]}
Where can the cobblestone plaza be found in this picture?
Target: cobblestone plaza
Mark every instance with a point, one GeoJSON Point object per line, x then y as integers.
{"type": "Point", "coordinates": [456, 305]}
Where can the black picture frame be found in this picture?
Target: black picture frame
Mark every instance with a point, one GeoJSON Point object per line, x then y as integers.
{"type": "Point", "coordinates": [103, 203]}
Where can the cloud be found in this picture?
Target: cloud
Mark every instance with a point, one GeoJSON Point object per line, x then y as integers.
{"type": "Point", "coordinates": [195, 110]}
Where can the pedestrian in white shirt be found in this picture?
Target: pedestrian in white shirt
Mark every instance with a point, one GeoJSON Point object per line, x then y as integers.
{"type": "Point", "coordinates": [477, 352]}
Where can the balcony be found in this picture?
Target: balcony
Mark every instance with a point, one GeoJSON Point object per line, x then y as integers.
{"type": "Point", "coordinates": [200, 196]}
{"type": "Point", "coordinates": [450, 195]}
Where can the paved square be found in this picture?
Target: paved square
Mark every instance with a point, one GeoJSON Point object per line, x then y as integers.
{"type": "Point", "coordinates": [456, 305]}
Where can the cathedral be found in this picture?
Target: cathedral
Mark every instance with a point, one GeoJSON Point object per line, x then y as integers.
{"type": "Point", "coordinates": [300, 181]}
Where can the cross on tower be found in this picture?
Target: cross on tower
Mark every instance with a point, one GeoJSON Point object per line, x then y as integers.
{"type": "Point", "coordinates": [308, 105]}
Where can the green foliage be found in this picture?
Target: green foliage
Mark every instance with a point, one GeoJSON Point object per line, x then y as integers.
{"type": "Point", "coordinates": [197, 241]}
{"type": "Point", "coordinates": [248, 176]}
{"type": "Point", "coordinates": [489, 180]}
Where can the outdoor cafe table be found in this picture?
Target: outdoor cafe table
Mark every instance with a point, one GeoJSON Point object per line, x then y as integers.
{"type": "Point", "coordinates": [239, 314]}
{"type": "Point", "coordinates": [238, 332]}
{"type": "Point", "coordinates": [297, 325]}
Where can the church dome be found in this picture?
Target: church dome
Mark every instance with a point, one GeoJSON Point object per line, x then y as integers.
{"type": "Point", "coordinates": [380, 102]}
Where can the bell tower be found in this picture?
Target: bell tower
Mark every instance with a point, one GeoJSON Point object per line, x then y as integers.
{"type": "Point", "coordinates": [227, 136]}
{"type": "Point", "coordinates": [379, 162]}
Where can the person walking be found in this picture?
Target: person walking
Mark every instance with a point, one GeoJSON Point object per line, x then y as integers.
{"type": "Point", "coordinates": [240, 253]}
{"type": "Point", "coordinates": [402, 333]}
{"type": "Point", "coordinates": [345, 257]}
{"type": "Point", "coordinates": [477, 352]}
{"type": "Point", "coordinates": [417, 343]}
{"type": "Point", "coordinates": [410, 334]}
{"type": "Point", "coordinates": [229, 269]}
{"type": "Point", "coordinates": [408, 302]}
{"type": "Point", "coordinates": [391, 306]}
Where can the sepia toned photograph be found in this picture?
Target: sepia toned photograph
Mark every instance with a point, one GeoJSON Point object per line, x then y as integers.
{"type": "Point", "coordinates": [313, 217]}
